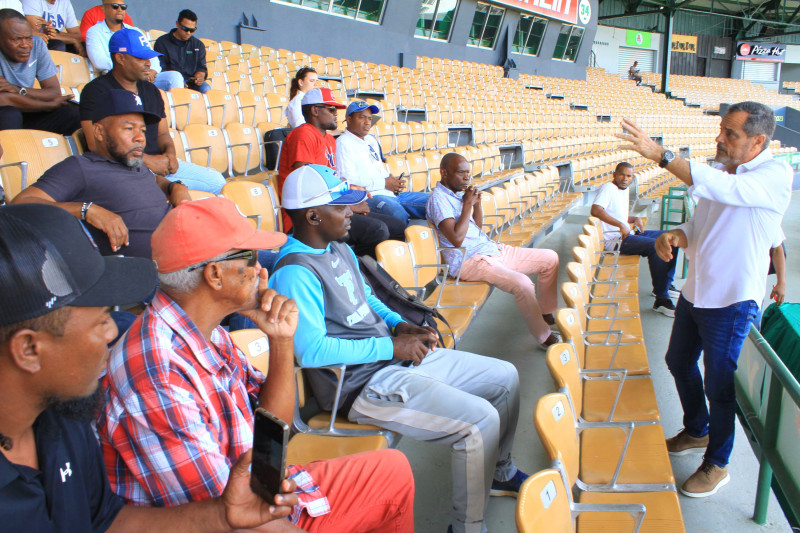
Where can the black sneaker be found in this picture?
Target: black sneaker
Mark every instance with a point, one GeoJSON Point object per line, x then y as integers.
{"type": "Point", "coordinates": [665, 307]}
{"type": "Point", "coordinates": [510, 487]}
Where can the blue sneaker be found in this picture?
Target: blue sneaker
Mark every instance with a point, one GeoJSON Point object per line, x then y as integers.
{"type": "Point", "coordinates": [510, 487]}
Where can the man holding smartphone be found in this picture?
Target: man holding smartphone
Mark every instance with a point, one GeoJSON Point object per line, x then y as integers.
{"type": "Point", "coordinates": [178, 408]}
{"type": "Point", "coordinates": [612, 205]}
{"type": "Point", "coordinates": [359, 159]}
{"type": "Point", "coordinates": [55, 296]}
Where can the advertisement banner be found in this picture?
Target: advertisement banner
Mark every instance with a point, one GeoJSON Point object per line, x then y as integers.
{"type": "Point", "coordinates": [757, 51]}
{"type": "Point", "coordinates": [637, 38]}
{"type": "Point", "coordinates": [684, 43]}
{"type": "Point", "coordinates": [566, 10]}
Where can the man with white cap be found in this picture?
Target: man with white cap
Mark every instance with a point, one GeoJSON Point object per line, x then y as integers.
{"type": "Point", "coordinates": [359, 159]}
{"type": "Point", "coordinates": [55, 296]}
{"type": "Point", "coordinates": [178, 411]}
{"type": "Point", "coordinates": [395, 377]}
{"type": "Point", "coordinates": [310, 143]}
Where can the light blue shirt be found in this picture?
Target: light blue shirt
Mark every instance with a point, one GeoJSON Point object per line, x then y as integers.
{"type": "Point", "coordinates": [313, 347]}
{"type": "Point", "coordinates": [97, 39]}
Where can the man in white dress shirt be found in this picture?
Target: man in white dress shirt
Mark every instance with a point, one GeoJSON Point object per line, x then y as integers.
{"type": "Point", "coordinates": [740, 205]}
{"type": "Point", "coordinates": [359, 159]}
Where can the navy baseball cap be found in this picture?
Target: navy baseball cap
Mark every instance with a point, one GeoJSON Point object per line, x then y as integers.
{"type": "Point", "coordinates": [361, 105]}
{"type": "Point", "coordinates": [48, 260]}
{"type": "Point", "coordinates": [131, 42]}
{"type": "Point", "coordinates": [122, 102]}
{"type": "Point", "coordinates": [313, 185]}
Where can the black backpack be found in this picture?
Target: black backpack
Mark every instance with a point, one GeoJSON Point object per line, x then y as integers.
{"type": "Point", "coordinates": [396, 298]}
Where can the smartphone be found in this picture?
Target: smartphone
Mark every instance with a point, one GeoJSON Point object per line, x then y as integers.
{"type": "Point", "coordinates": [270, 437]}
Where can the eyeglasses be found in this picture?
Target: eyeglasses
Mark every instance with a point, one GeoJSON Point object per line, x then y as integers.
{"type": "Point", "coordinates": [250, 255]}
{"type": "Point", "coordinates": [332, 109]}
{"type": "Point", "coordinates": [123, 7]}
{"type": "Point", "coordinates": [341, 187]}
{"type": "Point", "coordinates": [189, 30]}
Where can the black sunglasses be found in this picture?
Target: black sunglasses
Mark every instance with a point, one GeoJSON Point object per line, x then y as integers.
{"type": "Point", "coordinates": [188, 30]}
{"type": "Point", "coordinates": [250, 255]}
{"type": "Point", "coordinates": [123, 7]}
{"type": "Point", "coordinates": [332, 109]}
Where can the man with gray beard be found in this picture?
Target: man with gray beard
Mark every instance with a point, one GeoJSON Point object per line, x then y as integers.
{"type": "Point", "coordinates": [119, 200]}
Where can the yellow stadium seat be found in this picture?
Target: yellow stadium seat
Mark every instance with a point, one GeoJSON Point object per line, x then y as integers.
{"type": "Point", "coordinates": [27, 154]}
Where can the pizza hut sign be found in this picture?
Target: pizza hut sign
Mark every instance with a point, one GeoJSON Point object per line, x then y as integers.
{"type": "Point", "coordinates": [756, 51]}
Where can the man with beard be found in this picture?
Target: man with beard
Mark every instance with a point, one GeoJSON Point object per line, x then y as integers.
{"type": "Point", "coordinates": [118, 198]}
{"type": "Point", "coordinates": [740, 205]}
{"type": "Point", "coordinates": [612, 205]}
{"type": "Point", "coordinates": [179, 412]}
{"type": "Point", "coordinates": [55, 293]}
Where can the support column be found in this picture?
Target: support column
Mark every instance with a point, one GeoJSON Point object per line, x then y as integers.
{"type": "Point", "coordinates": [666, 50]}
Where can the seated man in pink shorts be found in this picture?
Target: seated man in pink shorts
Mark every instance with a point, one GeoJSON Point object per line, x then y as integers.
{"type": "Point", "coordinates": [455, 209]}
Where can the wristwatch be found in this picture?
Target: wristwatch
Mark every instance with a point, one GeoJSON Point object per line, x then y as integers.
{"type": "Point", "coordinates": [23, 91]}
{"type": "Point", "coordinates": [667, 158]}
{"type": "Point", "coordinates": [171, 185]}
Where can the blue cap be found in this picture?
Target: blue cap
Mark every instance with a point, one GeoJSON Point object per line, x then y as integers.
{"type": "Point", "coordinates": [122, 102]}
{"type": "Point", "coordinates": [131, 42]}
{"type": "Point", "coordinates": [361, 105]}
{"type": "Point", "coordinates": [313, 185]}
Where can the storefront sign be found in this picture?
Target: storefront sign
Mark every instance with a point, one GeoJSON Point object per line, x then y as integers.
{"type": "Point", "coordinates": [566, 10]}
{"type": "Point", "coordinates": [684, 43]}
{"type": "Point", "coordinates": [757, 51]}
{"type": "Point", "coordinates": [637, 38]}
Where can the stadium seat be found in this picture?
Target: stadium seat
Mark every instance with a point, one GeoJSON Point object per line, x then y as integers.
{"type": "Point", "coordinates": [222, 108]}
{"type": "Point", "coordinates": [186, 107]}
{"type": "Point", "coordinates": [256, 202]}
{"type": "Point", "coordinates": [206, 147]}
{"type": "Point", "coordinates": [27, 154]}
{"type": "Point", "coordinates": [73, 70]}
{"type": "Point", "coordinates": [255, 345]}
{"type": "Point", "coordinates": [252, 108]}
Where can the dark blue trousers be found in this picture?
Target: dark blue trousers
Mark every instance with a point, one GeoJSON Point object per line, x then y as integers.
{"type": "Point", "coordinates": [661, 272]}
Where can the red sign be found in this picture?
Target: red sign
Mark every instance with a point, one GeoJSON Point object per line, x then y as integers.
{"type": "Point", "coordinates": [566, 10]}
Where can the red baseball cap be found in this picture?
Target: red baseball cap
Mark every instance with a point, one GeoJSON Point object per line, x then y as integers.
{"type": "Point", "coordinates": [322, 96]}
{"type": "Point", "coordinates": [196, 231]}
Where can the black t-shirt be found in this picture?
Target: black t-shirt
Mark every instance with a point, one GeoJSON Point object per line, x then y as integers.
{"type": "Point", "coordinates": [132, 193]}
{"type": "Point", "coordinates": [70, 491]}
{"type": "Point", "coordinates": [151, 100]}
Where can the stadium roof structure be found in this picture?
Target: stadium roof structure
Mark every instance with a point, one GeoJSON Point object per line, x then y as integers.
{"type": "Point", "coordinates": [773, 20]}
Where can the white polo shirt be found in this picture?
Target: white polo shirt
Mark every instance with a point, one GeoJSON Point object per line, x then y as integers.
{"type": "Point", "coordinates": [359, 161]}
{"type": "Point", "coordinates": [615, 202]}
{"type": "Point", "coordinates": [736, 222]}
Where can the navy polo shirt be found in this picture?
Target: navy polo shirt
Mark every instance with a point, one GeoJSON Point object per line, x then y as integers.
{"type": "Point", "coordinates": [70, 491]}
{"type": "Point", "coordinates": [131, 193]}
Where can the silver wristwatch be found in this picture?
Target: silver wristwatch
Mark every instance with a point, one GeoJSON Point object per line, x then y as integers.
{"type": "Point", "coordinates": [667, 158]}
{"type": "Point", "coordinates": [23, 91]}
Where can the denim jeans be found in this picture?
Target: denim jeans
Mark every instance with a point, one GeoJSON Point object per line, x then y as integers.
{"type": "Point", "coordinates": [169, 79]}
{"type": "Point", "coordinates": [719, 333]}
{"type": "Point", "coordinates": [198, 178]}
{"type": "Point", "coordinates": [405, 206]}
{"type": "Point", "coordinates": [661, 272]}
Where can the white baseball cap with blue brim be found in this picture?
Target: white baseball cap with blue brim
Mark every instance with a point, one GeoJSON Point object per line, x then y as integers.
{"type": "Point", "coordinates": [315, 185]}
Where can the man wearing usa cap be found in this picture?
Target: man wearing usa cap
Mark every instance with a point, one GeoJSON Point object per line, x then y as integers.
{"type": "Point", "coordinates": [130, 66]}
{"type": "Point", "coordinates": [55, 293]}
{"type": "Point", "coordinates": [359, 159]}
{"type": "Point", "coordinates": [177, 411]}
{"type": "Point", "coordinates": [109, 189]}
{"type": "Point", "coordinates": [99, 49]}
{"type": "Point", "coordinates": [310, 143]}
{"type": "Point", "coordinates": [394, 378]}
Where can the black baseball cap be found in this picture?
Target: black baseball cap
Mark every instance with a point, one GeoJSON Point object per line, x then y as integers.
{"type": "Point", "coordinates": [48, 260]}
{"type": "Point", "coordinates": [122, 102]}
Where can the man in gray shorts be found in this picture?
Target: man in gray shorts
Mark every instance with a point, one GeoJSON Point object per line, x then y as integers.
{"type": "Point", "coordinates": [395, 376]}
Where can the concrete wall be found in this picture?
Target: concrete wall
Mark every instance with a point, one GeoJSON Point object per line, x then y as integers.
{"type": "Point", "coordinates": [314, 32]}
{"type": "Point", "coordinates": [607, 41]}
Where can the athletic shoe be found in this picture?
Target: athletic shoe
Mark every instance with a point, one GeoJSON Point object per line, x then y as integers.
{"type": "Point", "coordinates": [665, 307]}
{"type": "Point", "coordinates": [673, 292]}
{"type": "Point", "coordinates": [554, 334]}
{"type": "Point", "coordinates": [510, 487]}
{"type": "Point", "coordinates": [706, 481]}
{"type": "Point", "coordinates": [683, 444]}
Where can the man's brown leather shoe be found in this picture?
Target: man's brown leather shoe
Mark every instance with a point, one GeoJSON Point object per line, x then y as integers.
{"type": "Point", "coordinates": [683, 443]}
{"type": "Point", "coordinates": [706, 481]}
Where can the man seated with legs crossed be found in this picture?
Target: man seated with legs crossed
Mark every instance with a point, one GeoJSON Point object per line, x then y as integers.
{"type": "Point", "coordinates": [611, 205]}
{"type": "Point", "coordinates": [178, 392]}
{"type": "Point", "coordinates": [395, 376]}
{"type": "Point", "coordinates": [455, 210]}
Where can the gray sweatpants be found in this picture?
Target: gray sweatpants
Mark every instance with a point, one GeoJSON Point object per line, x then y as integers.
{"type": "Point", "coordinates": [467, 401]}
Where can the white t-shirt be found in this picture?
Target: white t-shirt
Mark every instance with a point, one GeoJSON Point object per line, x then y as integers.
{"type": "Point", "coordinates": [359, 161]}
{"type": "Point", "coordinates": [616, 203]}
{"type": "Point", "coordinates": [294, 111]}
{"type": "Point", "coordinates": [60, 13]}
{"type": "Point", "coordinates": [16, 5]}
